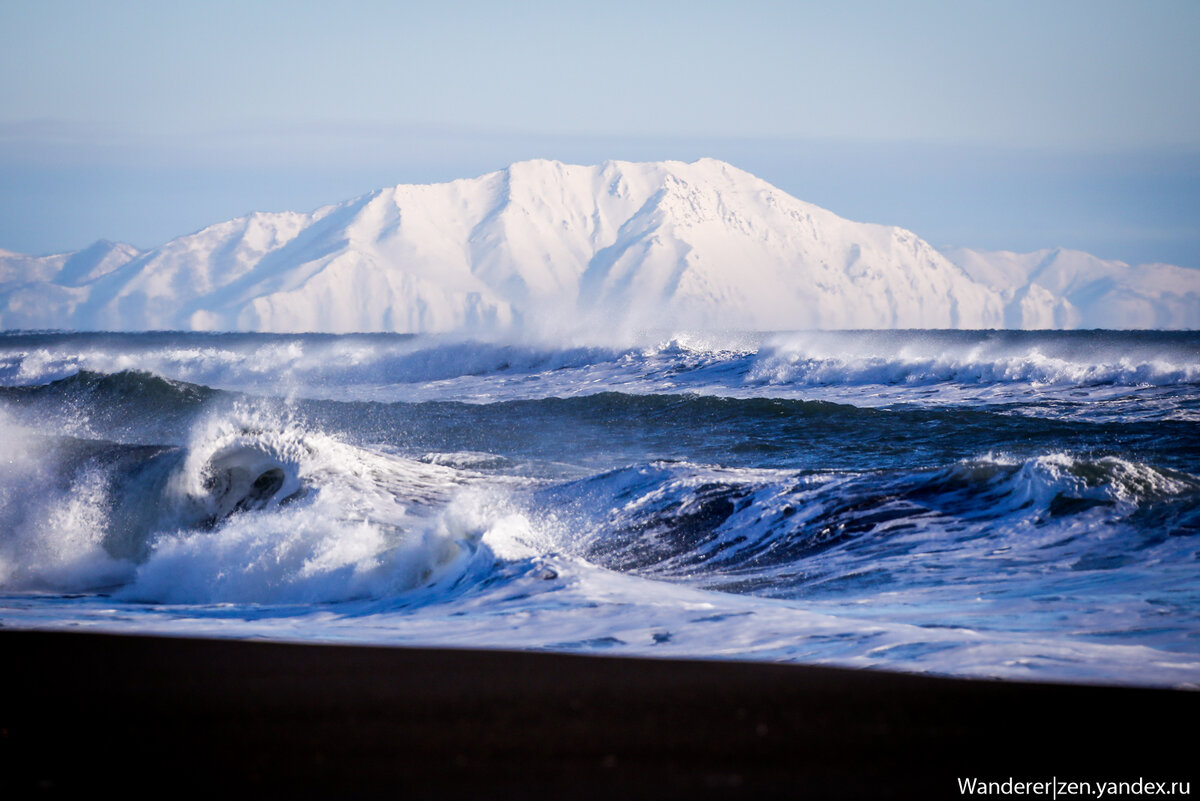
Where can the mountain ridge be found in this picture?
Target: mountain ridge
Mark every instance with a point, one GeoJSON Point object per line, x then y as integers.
{"type": "Point", "coordinates": [549, 247]}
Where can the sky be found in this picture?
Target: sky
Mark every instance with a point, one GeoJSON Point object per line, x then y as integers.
{"type": "Point", "coordinates": [997, 125]}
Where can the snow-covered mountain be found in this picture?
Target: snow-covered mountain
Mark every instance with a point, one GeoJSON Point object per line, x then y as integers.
{"type": "Point", "coordinates": [549, 246]}
{"type": "Point", "coordinates": [1069, 289]}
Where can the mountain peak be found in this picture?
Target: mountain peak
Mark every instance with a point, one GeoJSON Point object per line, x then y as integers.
{"type": "Point", "coordinates": [548, 246]}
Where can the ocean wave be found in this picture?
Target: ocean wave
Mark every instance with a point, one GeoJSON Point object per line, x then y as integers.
{"type": "Point", "coordinates": [300, 361]}
{"type": "Point", "coordinates": [136, 390]}
{"type": "Point", "coordinates": [387, 368]}
{"type": "Point", "coordinates": [1000, 358]}
{"type": "Point", "coordinates": [781, 532]}
{"type": "Point", "coordinates": [947, 501]}
{"type": "Point", "coordinates": [602, 429]}
{"type": "Point", "coordinates": [257, 508]}
{"type": "Point", "coordinates": [254, 508]}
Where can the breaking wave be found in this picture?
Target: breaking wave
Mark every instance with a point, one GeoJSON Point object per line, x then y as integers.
{"type": "Point", "coordinates": [252, 508]}
{"type": "Point", "coordinates": [802, 363]}
{"type": "Point", "coordinates": [761, 530]}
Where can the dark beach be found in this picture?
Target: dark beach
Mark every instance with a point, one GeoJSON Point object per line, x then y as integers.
{"type": "Point", "coordinates": [85, 713]}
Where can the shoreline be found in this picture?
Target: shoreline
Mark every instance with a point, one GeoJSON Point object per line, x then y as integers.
{"type": "Point", "coordinates": [86, 711]}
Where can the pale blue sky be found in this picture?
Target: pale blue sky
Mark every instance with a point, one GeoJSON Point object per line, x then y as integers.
{"type": "Point", "coordinates": [989, 124]}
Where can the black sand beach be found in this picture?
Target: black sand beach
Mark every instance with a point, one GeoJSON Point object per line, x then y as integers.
{"type": "Point", "coordinates": [86, 713]}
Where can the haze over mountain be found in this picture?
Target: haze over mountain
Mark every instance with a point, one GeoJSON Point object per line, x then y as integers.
{"type": "Point", "coordinates": [551, 247]}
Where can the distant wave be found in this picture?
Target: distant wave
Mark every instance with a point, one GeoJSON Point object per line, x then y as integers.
{"type": "Point", "coordinates": [796, 369]}
{"type": "Point", "coordinates": [830, 365]}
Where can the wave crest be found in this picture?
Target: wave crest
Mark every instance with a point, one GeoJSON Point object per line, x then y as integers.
{"type": "Point", "coordinates": [820, 361]}
{"type": "Point", "coordinates": [254, 508]}
{"type": "Point", "coordinates": [770, 530]}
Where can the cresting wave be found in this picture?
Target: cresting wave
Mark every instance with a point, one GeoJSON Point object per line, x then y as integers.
{"type": "Point", "coordinates": [807, 363]}
{"type": "Point", "coordinates": [788, 535]}
{"type": "Point", "coordinates": [251, 509]}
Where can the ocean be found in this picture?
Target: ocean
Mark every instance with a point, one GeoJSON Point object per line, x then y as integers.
{"type": "Point", "coordinates": [1018, 505]}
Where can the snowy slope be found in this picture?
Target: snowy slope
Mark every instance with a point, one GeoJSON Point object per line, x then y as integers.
{"type": "Point", "coordinates": [552, 247]}
{"type": "Point", "coordinates": [1070, 289]}
{"type": "Point", "coordinates": [46, 291]}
